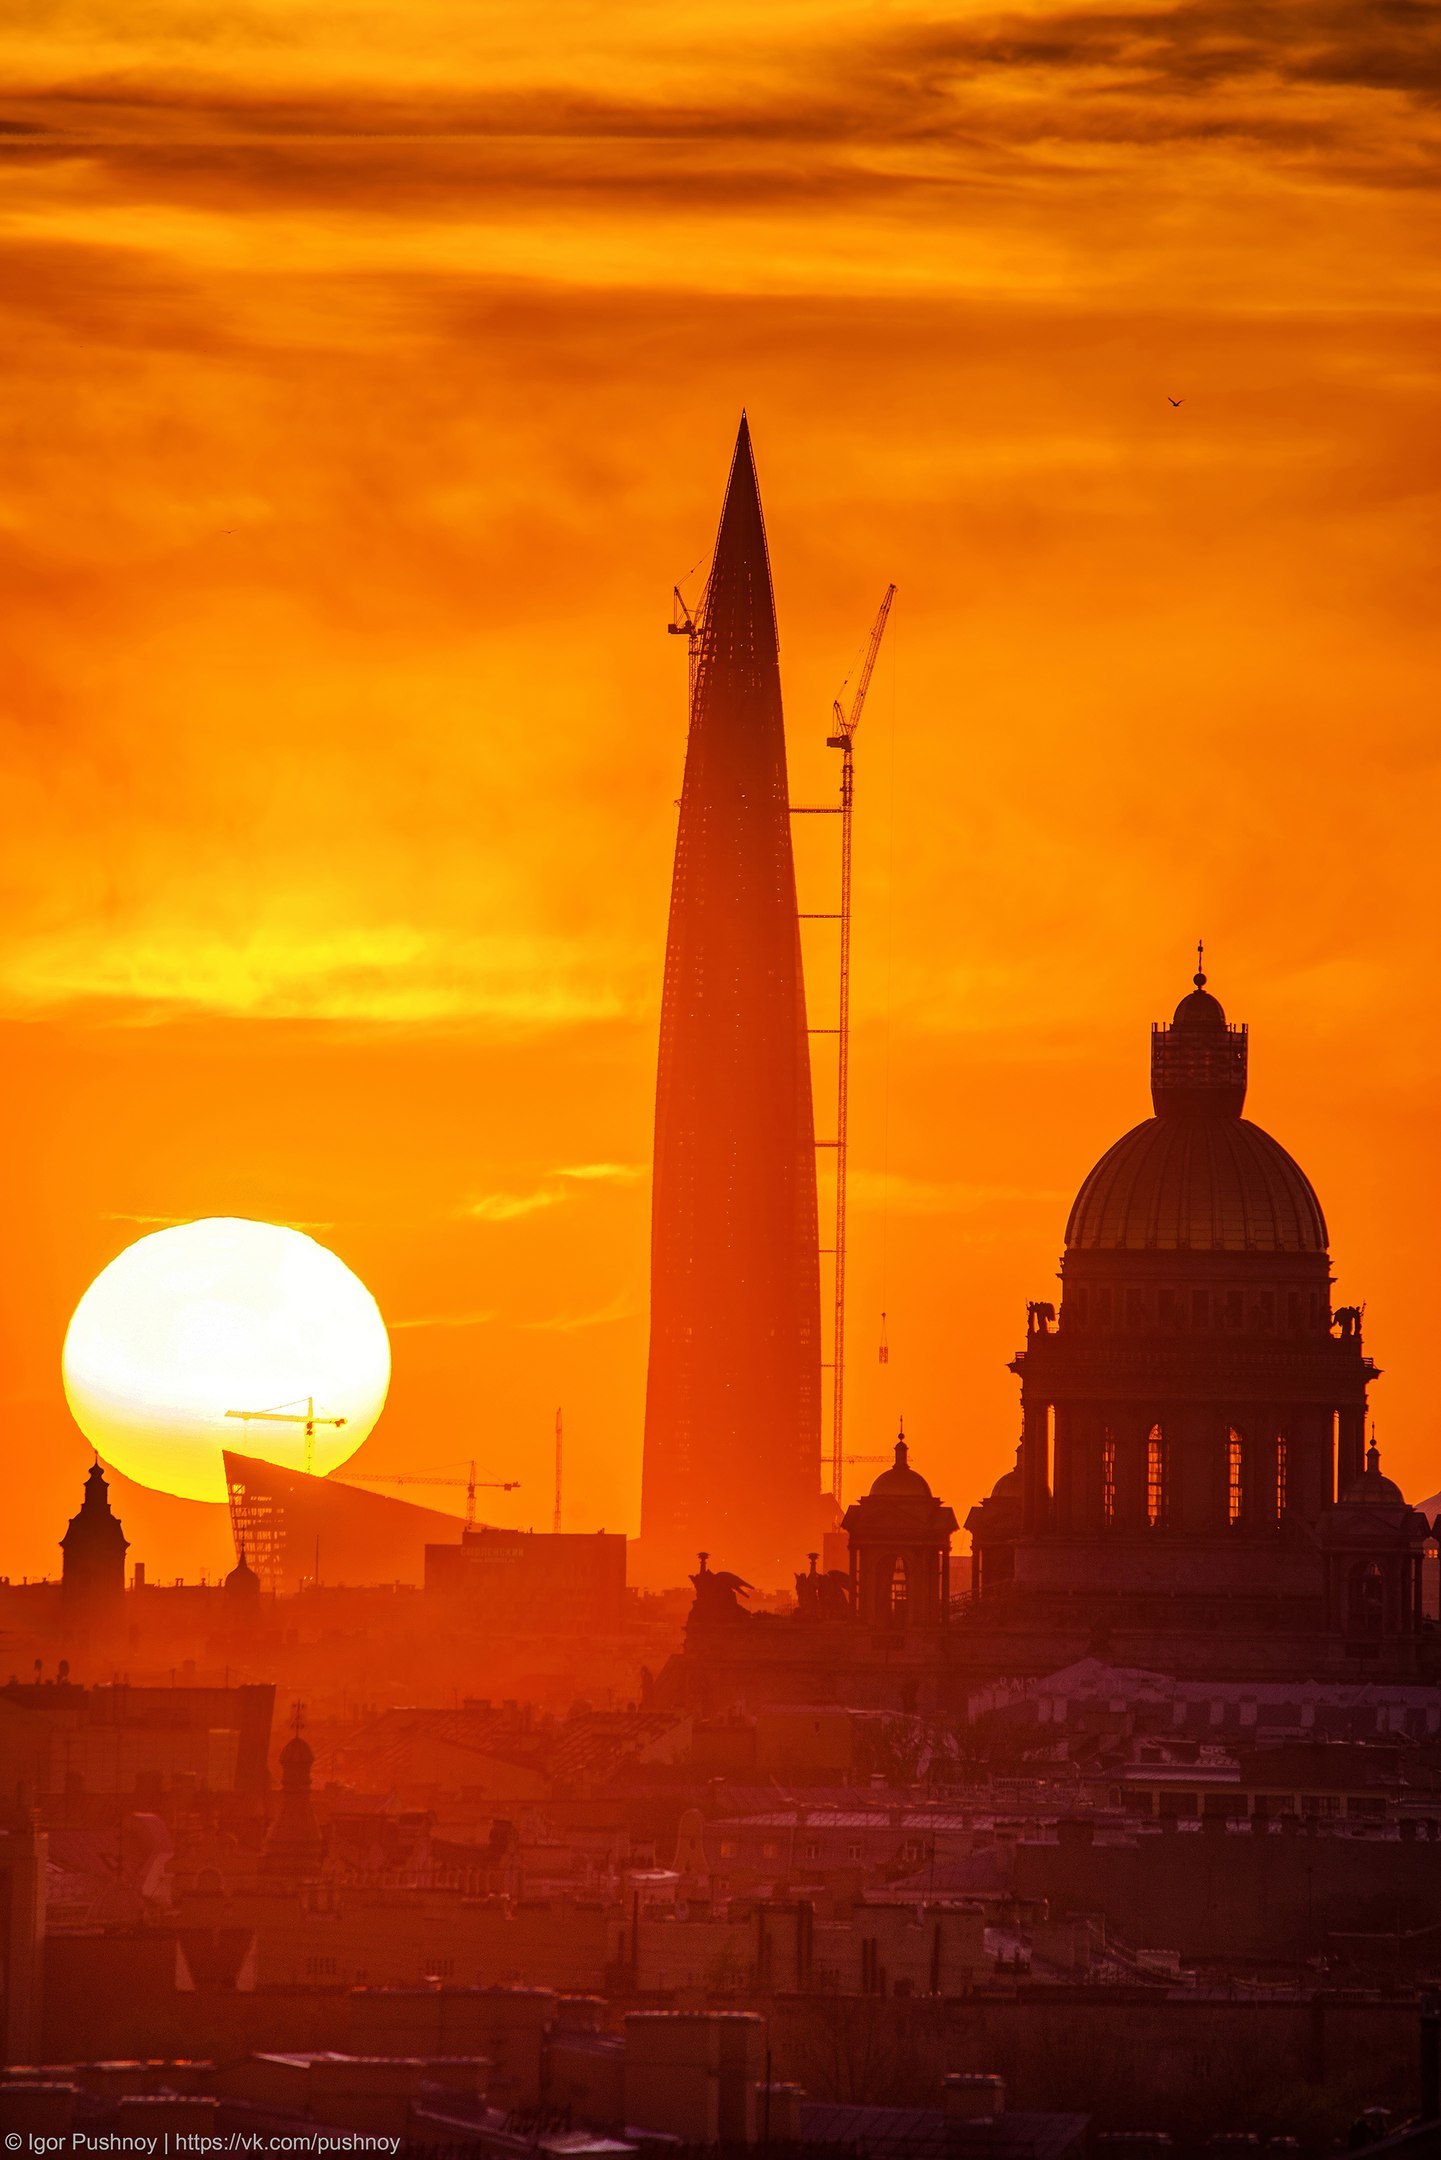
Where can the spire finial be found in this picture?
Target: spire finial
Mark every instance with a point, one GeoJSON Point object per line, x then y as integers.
{"type": "Point", "coordinates": [1199, 978]}
{"type": "Point", "coordinates": [901, 1444]}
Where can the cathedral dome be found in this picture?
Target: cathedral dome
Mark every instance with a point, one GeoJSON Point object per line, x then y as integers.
{"type": "Point", "coordinates": [1197, 1177]}
{"type": "Point", "coordinates": [1197, 1185]}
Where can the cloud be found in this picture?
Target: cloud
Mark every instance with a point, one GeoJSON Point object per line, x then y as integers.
{"type": "Point", "coordinates": [605, 1172]}
{"type": "Point", "coordinates": [394, 973]}
{"type": "Point", "coordinates": [509, 1207]}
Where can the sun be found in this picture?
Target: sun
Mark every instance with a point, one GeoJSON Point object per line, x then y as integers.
{"type": "Point", "coordinates": [220, 1316]}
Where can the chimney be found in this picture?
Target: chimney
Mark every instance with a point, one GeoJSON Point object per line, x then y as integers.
{"type": "Point", "coordinates": [973, 2096]}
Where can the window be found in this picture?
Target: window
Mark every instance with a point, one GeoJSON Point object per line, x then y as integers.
{"type": "Point", "coordinates": [1365, 1599]}
{"type": "Point", "coordinates": [728, 1848]}
{"type": "Point", "coordinates": [1234, 1488]}
{"type": "Point", "coordinates": [1200, 1308]}
{"type": "Point", "coordinates": [1293, 1311]}
{"type": "Point", "coordinates": [320, 1968]}
{"type": "Point", "coordinates": [853, 1850]}
{"type": "Point", "coordinates": [812, 1850]}
{"type": "Point", "coordinates": [1108, 1477]}
{"type": "Point", "coordinates": [898, 1591]}
{"type": "Point", "coordinates": [1282, 1473]}
{"type": "Point", "coordinates": [771, 1850]}
{"type": "Point", "coordinates": [1235, 1309]}
{"type": "Point", "coordinates": [1156, 1478]}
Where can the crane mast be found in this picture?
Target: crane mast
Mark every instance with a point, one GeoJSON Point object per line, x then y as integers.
{"type": "Point", "coordinates": [844, 740]}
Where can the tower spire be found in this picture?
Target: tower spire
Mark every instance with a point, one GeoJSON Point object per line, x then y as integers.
{"type": "Point", "coordinates": [732, 1432]}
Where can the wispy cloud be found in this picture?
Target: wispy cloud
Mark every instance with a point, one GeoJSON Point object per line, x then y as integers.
{"type": "Point", "coordinates": [509, 1206]}
{"type": "Point", "coordinates": [559, 1187]}
{"type": "Point", "coordinates": [393, 973]}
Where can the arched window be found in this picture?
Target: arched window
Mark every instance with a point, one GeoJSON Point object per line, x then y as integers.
{"type": "Point", "coordinates": [1156, 1477]}
{"type": "Point", "coordinates": [898, 1591]}
{"type": "Point", "coordinates": [1365, 1599]}
{"type": "Point", "coordinates": [1235, 1488]}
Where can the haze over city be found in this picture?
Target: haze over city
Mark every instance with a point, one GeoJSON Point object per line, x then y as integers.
{"type": "Point", "coordinates": [371, 380]}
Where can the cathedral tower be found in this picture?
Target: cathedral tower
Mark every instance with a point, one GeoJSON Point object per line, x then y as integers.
{"type": "Point", "coordinates": [732, 1431]}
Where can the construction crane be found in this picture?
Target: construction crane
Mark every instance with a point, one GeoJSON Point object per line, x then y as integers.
{"type": "Point", "coordinates": [471, 1482]}
{"type": "Point", "coordinates": [284, 1414]}
{"type": "Point", "coordinates": [843, 740]}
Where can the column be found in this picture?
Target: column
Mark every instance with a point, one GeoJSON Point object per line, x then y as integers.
{"type": "Point", "coordinates": [1350, 1448]}
{"type": "Point", "coordinates": [1036, 1490]}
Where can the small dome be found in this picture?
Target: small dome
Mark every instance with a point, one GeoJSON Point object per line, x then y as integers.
{"type": "Point", "coordinates": [901, 1482]}
{"type": "Point", "coordinates": [1008, 1484]}
{"type": "Point", "coordinates": [242, 1581]}
{"type": "Point", "coordinates": [1197, 1185]}
{"type": "Point", "coordinates": [1373, 1488]}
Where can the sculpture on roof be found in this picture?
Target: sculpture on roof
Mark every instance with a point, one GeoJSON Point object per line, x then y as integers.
{"type": "Point", "coordinates": [718, 1595]}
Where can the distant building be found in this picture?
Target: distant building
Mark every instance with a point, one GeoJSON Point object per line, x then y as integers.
{"type": "Point", "coordinates": [94, 1548]}
{"type": "Point", "coordinates": [59, 1739]}
{"type": "Point", "coordinates": [532, 1582]}
{"type": "Point", "coordinates": [22, 1936]}
{"type": "Point", "coordinates": [733, 1397]}
{"type": "Point", "coordinates": [296, 1531]}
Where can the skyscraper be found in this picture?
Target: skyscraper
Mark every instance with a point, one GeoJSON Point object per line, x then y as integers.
{"type": "Point", "coordinates": [732, 1430]}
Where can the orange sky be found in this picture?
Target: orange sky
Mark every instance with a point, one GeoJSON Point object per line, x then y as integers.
{"type": "Point", "coordinates": [371, 375]}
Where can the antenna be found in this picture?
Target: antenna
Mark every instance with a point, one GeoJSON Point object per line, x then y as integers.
{"type": "Point", "coordinates": [555, 1525]}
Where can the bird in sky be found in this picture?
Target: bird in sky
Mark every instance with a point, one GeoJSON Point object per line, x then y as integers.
{"type": "Point", "coordinates": [1175, 401]}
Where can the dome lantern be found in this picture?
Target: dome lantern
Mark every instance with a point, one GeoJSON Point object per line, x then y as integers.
{"type": "Point", "coordinates": [1198, 1063]}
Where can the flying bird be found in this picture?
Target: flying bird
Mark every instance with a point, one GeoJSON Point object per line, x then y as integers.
{"type": "Point", "coordinates": [1175, 401]}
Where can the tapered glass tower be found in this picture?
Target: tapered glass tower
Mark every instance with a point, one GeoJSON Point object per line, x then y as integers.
{"type": "Point", "coordinates": [732, 1430]}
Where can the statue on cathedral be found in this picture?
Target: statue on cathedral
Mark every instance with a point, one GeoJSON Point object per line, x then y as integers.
{"type": "Point", "coordinates": [823, 1597]}
{"type": "Point", "coordinates": [717, 1595]}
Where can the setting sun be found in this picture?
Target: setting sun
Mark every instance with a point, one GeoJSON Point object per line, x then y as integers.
{"type": "Point", "coordinates": [190, 1332]}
